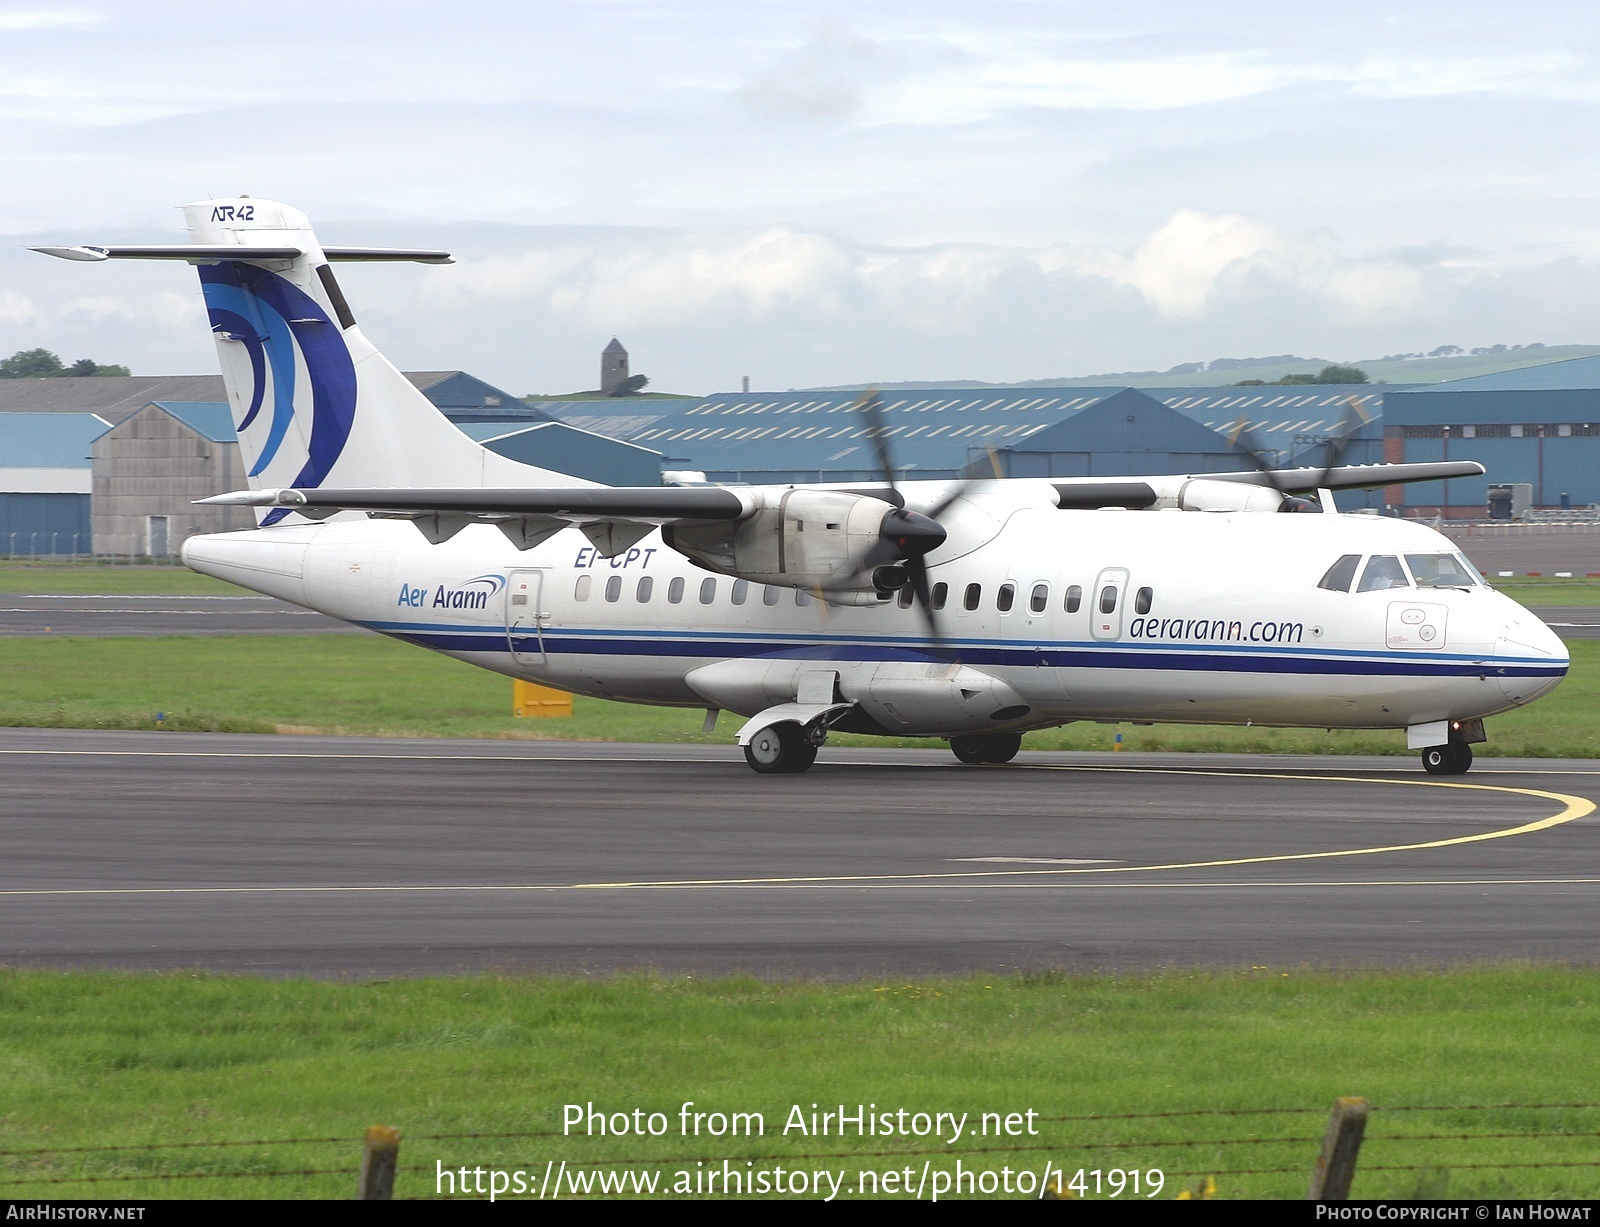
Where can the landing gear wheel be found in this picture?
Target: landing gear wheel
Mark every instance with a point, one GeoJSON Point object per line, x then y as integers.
{"type": "Point", "coordinates": [780, 749]}
{"type": "Point", "coordinates": [986, 747]}
{"type": "Point", "coordinates": [1451, 759]}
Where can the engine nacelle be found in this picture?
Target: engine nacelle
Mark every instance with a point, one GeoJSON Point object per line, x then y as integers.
{"type": "Point", "coordinates": [816, 539]}
{"type": "Point", "coordinates": [1201, 494]}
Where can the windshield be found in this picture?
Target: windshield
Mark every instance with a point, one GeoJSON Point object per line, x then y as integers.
{"type": "Point", "coordinates": [1440, 571]}
{"type": "Point", "coordinates": [1383, 571]}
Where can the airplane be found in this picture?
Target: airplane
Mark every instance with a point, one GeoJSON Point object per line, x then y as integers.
{"type": "Point", "coordinates": [969, 610]}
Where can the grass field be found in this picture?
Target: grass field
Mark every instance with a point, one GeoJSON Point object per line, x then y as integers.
{"type": "Point", "coordinates": [75, 579]}
{"type": "Point", "coordinates": [368, 685]}
{"type": "Point", "coordinates": [98, 1060]}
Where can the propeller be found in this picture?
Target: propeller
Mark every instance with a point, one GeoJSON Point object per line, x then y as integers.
{"type": "Point", "coordinates": [912, 534]}
{"type": "Point", "coordinates": [1243, 437]}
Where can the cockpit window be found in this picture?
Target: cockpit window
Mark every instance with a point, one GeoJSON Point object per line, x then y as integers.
{"type": "Point", "coordinates": [1341, 574]}
{"type": "Point", "coordinates": [1440, 571]}
{"type": "Point", "coordinates": [1383, 571]}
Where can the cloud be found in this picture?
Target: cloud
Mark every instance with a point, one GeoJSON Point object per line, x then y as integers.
{"type": "Point", "coordinates": [826, 77]}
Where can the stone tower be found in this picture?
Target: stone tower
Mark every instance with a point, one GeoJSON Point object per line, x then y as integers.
{"type": "Point", "coordinates": [613, 366]}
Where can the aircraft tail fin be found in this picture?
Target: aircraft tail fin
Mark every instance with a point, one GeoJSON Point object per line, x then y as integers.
{"type": "Point", "coordinates": [313, 401]}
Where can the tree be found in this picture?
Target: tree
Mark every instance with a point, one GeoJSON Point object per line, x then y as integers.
{"type": "Point", "coordinates": [30, 364]}
{"type": "Point", "coordinates": [631, 385]}
{"type": "Point", "coordinates": [1341, 374]}
{"type": "Point", "coordinates": [42, 364]}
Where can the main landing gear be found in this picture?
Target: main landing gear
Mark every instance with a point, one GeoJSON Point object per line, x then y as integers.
{"type": "Point", "coordinates": [986, 747]}
{"type": "Point", "coordinates": [781, 749]}
{"type": "Point", "coordinates": [1453, 758]}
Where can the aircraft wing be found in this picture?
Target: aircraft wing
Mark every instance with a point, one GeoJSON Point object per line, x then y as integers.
{"type": "Point", "coordinates": [1137, 493]}
{"type": "Point", "coordinates": [1354, 476]}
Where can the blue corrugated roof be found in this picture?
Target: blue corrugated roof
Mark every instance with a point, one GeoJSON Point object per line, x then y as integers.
{"type": "Point", "coordinates": [212, 419]}
{"type": "Point", "coordinates": [788, 435]}
{"type": "Point", "coordinates": [48, 440]}
{"type": "Point", "coordinates": [1288, 422]}
{"type": "Point", "coordinates": [1575, 374]}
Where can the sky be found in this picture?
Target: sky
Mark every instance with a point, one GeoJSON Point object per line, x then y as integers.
{"type": "Point", "coordinates": [818, 193]}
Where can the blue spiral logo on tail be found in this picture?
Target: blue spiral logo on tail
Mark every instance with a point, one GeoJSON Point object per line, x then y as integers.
{"type": "Point", "coordinates": [273, 318]}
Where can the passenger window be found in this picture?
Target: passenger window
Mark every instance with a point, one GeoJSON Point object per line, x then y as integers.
{"type": "Point", "coordinates": [1005, 597]}
{"type": "Point", "coordinates": [646, 584]}
{"type": "Point", "coordinates": [1383, 572]}
{"type": "Point", "coordinates": [771, 595]}
{"type": "Point", "coordinates": [708, 591]}
{"type": "Point", "coordinates": [581, 592]}
{"type": "Point", "coordinates": [741, 589]}
{"type": "Point", "coordinates": [974, 594]}
{"type": "Point", "coordinates": [906, 593]}
{"type": "Point", "coordinates": [1341, 574]}
{"type": "Point", "coordinates": [1141, 601]}
{"type": "Point", "coordinates": [1108, 599]}
{"type": "Point", "coordinates": [614, 589]}
{"type": "Point", "coordinates": [1074, 598]}
{"type": "Point", "coordinates": [941, 594]}
{"type": "Point", "coordinates": [675, 590]}
{"type": "Point", "coordinates": [802, 598]}
{"type": "Point", "coordinates": [1039, 601]}
{"type": "Point", "coordinates": [1440, 571]}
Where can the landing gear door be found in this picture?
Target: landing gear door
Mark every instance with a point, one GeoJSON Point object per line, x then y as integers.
{"type": "Point", "coordinates": [1109, 597]}
{"type": "Point", "coordinates": [525, 617]}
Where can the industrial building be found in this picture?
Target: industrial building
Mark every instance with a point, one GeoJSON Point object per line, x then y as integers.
{"type": "Point", "coordinates": [1037, 432]}
{"type": "Point", "coordinates": [45, 482]}
{"type": "Point", "coordinates": [1539, 426]}
{"type": "Point", "coordinates": [152, 456]}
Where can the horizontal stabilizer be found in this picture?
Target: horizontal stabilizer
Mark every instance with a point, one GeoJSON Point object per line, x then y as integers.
{"type": "Point", "coordinates": [230, 251]}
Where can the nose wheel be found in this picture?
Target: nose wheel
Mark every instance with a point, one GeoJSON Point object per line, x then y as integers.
{"type": "Point", "coordinates": [1451, 759]}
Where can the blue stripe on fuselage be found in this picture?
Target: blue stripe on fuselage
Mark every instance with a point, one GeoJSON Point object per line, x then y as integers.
{"type": "Point", "coordinates": [1217, 658]}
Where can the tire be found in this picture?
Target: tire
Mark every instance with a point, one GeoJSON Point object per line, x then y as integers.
{"type": "Point", "coordinates": [991, 748]}
{"type": "Point", "coordinates": [1451, 759]}
{"type": "Point", "coordinates": [780, 749]}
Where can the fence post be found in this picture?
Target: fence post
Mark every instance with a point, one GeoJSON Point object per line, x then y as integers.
{"type": "Point", "coordinates": [380, 1155]}
{"type": "Point", "coordinates": [1336, 1163]}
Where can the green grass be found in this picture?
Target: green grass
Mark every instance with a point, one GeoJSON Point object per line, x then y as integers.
{"type": "Point", "coordinates": [107, 1060]}
{"type": "Point", "coordinates": [1548, 590]}
{"type": "Point", "coordinates": [368, 685]}
{"type": "Point", "coordinates": [74, 579]}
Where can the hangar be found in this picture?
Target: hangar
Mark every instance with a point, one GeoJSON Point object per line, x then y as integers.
{"type": "Point", "coordinates": [45, 482]}
{"type": "Point", "coordinates": [154, 455]}
{"type": "Point", "coordinates": [1538, 425]}
{"type": "Point", "coordinates": [1033, 432]}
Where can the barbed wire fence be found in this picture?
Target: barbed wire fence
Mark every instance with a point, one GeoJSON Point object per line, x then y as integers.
{"type": "Point", "coordinates": [1328, 1161]}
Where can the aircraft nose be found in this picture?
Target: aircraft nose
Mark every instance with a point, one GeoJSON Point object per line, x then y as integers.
{"type": "Point", "coordinates": [1535, 658]}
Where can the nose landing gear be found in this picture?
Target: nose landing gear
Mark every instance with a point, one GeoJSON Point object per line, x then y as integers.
{"type": "Point", "coordinates": [1453, 758]}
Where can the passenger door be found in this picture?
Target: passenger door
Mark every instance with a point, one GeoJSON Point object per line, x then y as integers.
{"type": "Point", "coordinates": [1110, 596]}
{"type": "Point", "coordinates": [525, 617]}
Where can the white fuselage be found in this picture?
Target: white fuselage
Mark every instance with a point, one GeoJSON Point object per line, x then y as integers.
{"type": "Point", "coordinates": [1217, 618]}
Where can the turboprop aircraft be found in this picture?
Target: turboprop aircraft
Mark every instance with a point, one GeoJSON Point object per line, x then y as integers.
{"type": "Point", "coordinates": [969, 610]}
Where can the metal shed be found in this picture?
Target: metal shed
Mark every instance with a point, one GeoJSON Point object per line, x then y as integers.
{"type": "Point", "coordinates": [45, 482]}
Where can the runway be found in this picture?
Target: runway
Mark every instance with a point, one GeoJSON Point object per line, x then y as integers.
{"type": "Point", "coordinates": [37, 616]}
{"type": "Point", "coordinates": [364, 857]}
